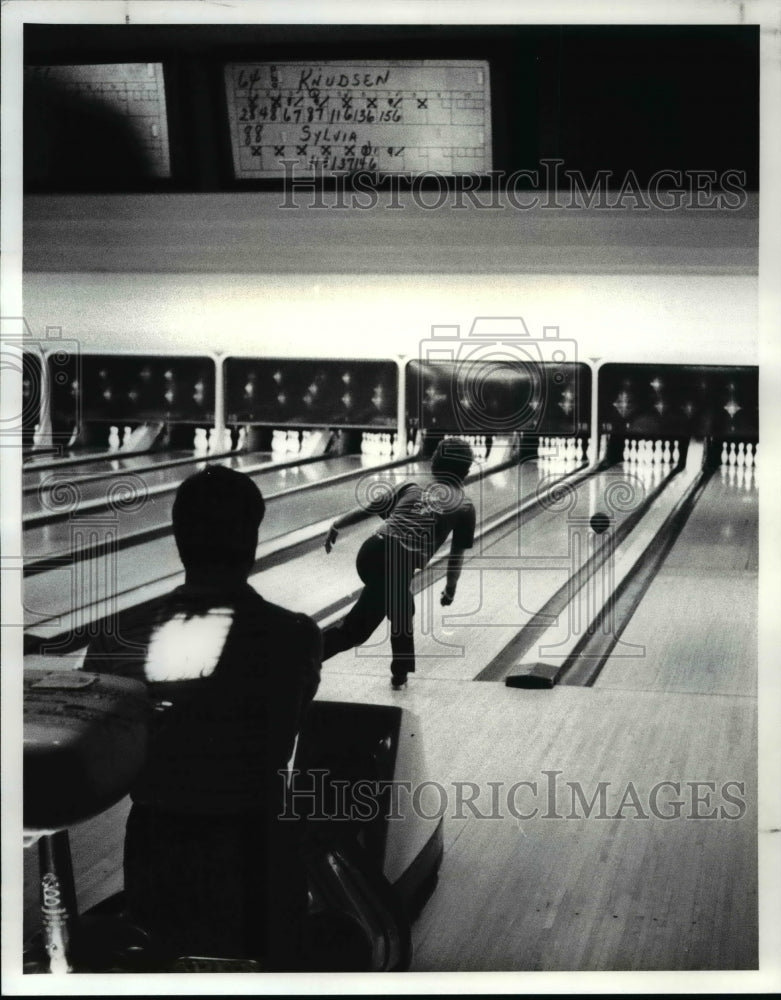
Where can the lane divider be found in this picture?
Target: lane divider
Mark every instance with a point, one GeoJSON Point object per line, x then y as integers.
{"type": "Point", "coordinates": [437, 569]}
{"type": "Point", "coordinates": [70, 631]}
{"type": "Point", "coordinates": [189, 459]}
{"type": "Point", "coordinates": [592, 652]}
{"type": "Point", "coordinates": [547, 670]}
{"type": "Point", "coordinates": [41, 564]}
{"type": "Point", "coordinates": [101, 503]}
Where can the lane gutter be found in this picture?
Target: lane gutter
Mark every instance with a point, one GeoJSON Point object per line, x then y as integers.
{"type": "Point", "coordinates": [581, 665]}
{"type": "Point", "coordinates": [273, 553]}
{"type": "Point", "coordinates": [592, 652]}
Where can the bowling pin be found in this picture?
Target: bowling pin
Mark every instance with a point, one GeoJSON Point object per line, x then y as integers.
{"type": "Point", "coordinates": [126, 437]}
{"type": "Point", "coordinates": [724, 454]}
{"type": "Point", "coordinates": [741, 457]}
{"type": "Point", "coordinates": [113, 438]}
{"type": "Point", "coordinates": [666, 453]}
{"type": "Point", "coordinates": [676, 453]}
{"type": "Point", "coordinates": [732, 457]}
{"type": "Point", "coordinates": [227, 439]}
{"type": "Point", "coordinates": [241, 444]}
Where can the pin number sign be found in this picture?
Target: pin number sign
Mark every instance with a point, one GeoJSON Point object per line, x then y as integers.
{"type": "Point", "coordinates": [385, 116]}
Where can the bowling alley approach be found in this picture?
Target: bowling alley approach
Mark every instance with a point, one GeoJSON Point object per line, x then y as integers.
{"type": "Point", "coordinates": [390, 463]}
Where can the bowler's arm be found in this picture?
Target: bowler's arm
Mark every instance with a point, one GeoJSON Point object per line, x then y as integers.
{"type": "Point", "coordinates": [381, 506]}
{"type": "Point", "coordinates": [455, 564]}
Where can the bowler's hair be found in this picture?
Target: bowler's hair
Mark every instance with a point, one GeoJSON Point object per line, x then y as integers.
{"type": "Point", "coordinates": [452, 459]}
{"type": "Point", "coordinates": [216, 516]}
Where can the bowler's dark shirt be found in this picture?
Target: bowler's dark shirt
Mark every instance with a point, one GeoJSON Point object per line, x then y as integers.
{"type": "Point", "coordinates": [423, 517]}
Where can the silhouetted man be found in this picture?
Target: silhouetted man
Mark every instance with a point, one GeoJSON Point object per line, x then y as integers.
{"type": "Point", "coordinates": [208, 868]}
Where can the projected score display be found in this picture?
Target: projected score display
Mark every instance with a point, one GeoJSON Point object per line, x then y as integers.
{"type": "Point", "coordinates": [385, 116]}
{"type": "Point", "coordinates": [133, 91]}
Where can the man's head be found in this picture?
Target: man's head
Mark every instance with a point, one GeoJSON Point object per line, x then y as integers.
{"type": "Point", "coordinates": [216, 516]}
{"type": "Point", "coordinates": [452, 460]}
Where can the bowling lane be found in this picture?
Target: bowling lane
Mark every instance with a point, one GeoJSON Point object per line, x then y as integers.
{"type": "Point", "coordinates": [53, 459]}
{"type": "Point", "coordinates": [95, 490]}
{"type": "Point", "coordinates": [333, 576]}
{"type": "Point", "coordinates": [110, 464]}
{"type": "Point", "coordinates": [696, 626]}
{"type": "Point", "coordinates": [139, 509]}
{"type": "Point", "coordinates": [505, 582]}
{"type": "Point", "coordinates": [69, 595]}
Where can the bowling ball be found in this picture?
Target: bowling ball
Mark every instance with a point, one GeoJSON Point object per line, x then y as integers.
{"type": "Point", "coordinates": [599, 522]}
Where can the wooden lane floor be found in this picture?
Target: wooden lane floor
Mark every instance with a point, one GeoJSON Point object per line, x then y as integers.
{"type": "Point", "coordinates": [618, 888]}
{"type": "Point", "coordinates": [120, 578]}
{"type": "Point", "coordinates": [37, 475]}
{"type": "Point", "coordinates": [586, 893]}
{"type": "Point", "coordinates": [504, 582]}
{"type": "Point", "coordinates": [144, 503]}
{"type": "Point", "coordinates": [697, 624]}
{"type": "Point", "coordinates": [581, 893]}
{"type": "Point", "coordinates": [620, 892]}
{"type": "Point", "coordinates": [147, 569]}
{"type": "Point", "coordinates": [166, 472]}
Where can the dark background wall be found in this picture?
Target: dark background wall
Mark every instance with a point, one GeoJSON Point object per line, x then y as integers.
{"type": "Point", "coordinates": [601, 98]}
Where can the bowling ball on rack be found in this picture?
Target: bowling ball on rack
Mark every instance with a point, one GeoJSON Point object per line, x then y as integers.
{"type": "Point", "coordinates": [599, 523]}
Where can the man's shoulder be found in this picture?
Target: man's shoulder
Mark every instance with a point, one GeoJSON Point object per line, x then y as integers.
{"type": "Point", "coordinates": [409, 487]}
{"type": "Point", "coordinates": [295, 621]}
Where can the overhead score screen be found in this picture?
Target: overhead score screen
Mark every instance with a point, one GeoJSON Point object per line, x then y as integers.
{"type": "Point", "coordinates": [134, 92]}
{"type": "Point", "coordinates": [387, 116]}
